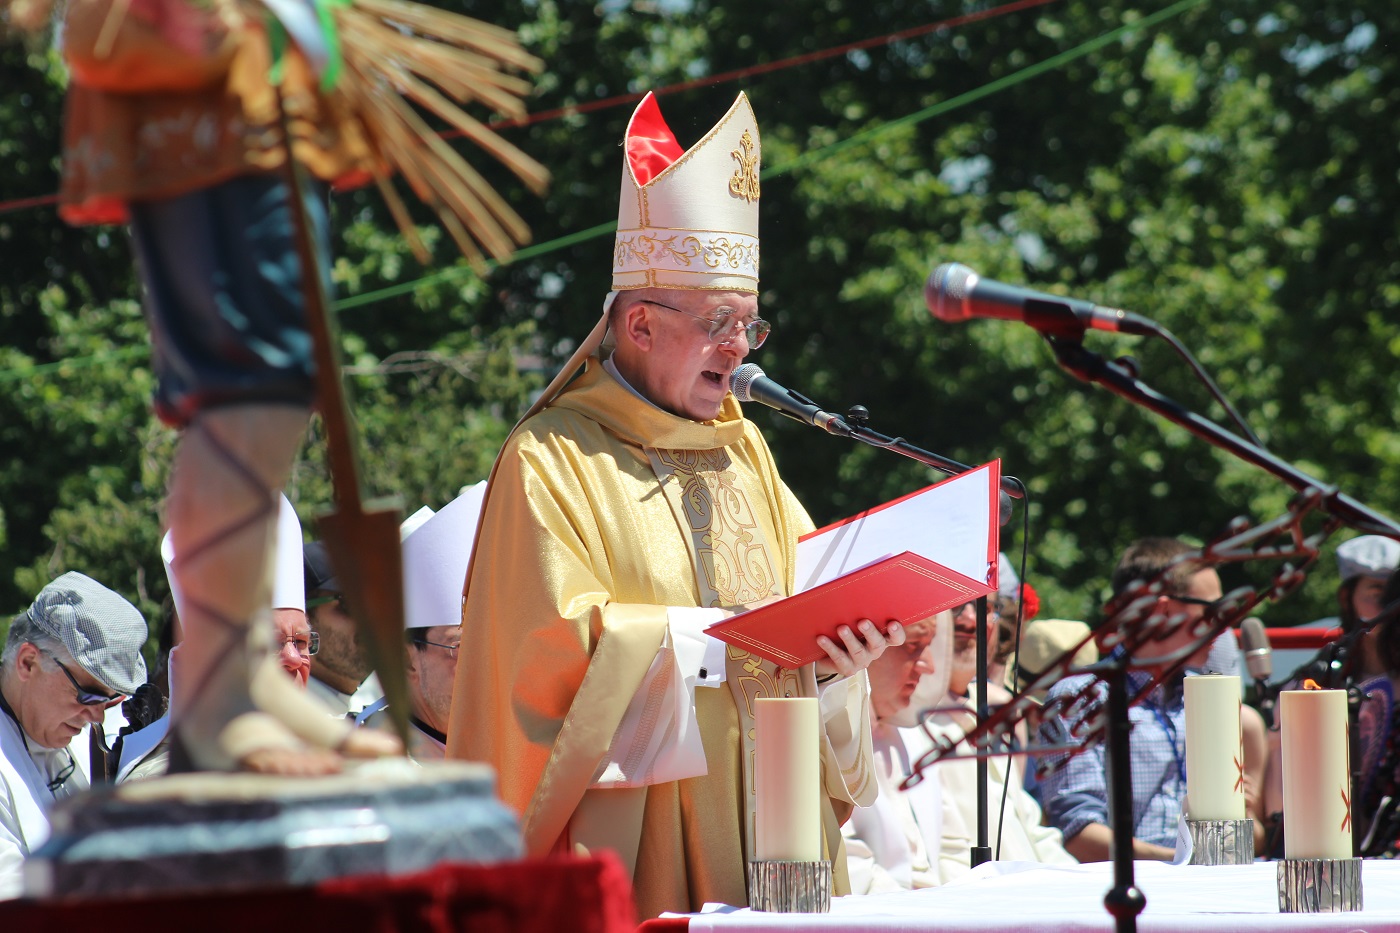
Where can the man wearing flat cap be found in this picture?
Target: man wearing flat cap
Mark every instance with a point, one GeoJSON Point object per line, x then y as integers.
{"type": "Point", "coordinates": [632, 507]}
{"type": "Point", "coordinates": [72, 655]}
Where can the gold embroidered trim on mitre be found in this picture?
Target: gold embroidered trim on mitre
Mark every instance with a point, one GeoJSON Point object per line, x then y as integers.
{"type": "Point", "coordinates": [744, 184]}
{"type": "Point", "coordinates": [684, 250]}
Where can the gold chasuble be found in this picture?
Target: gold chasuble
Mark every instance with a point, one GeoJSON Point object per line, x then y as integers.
{"type": "Point", "coordinates": [604, 511]}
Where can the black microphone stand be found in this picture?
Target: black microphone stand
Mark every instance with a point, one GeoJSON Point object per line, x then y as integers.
{"type": "Point", "coordinates": [982, 851]}
{"type": "Point", "coordinates": [1120, 378]}
{"type": "Point", "coordinates": [856, 427]}
{"type": "Point", "coordinates": [1264, 696]}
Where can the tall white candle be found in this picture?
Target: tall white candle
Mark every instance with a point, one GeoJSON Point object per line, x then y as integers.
{"type": "Point", "coordinates": [1214, 748]}
{"type": "Point", "coordinates": [1316, 774]}
{"type": "Point", "coordinates": [787, 779]}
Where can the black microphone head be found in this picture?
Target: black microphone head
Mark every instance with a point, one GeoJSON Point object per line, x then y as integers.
{"type": "Point", "coordinates": [947, 289]}
{"type": "Point", "coordinates": [1258, 653]}
{"type": "Point", "coordinates": [742, 378]}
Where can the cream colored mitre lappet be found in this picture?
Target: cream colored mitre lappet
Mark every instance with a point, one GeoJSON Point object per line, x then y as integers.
{"type": "Point", "coordinates": [686, 218]}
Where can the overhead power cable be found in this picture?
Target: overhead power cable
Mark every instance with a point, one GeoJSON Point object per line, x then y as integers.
{"type": "Point", "coordinates": [865, 136]}
{"type": "Point", "coordinates": [707, 81]}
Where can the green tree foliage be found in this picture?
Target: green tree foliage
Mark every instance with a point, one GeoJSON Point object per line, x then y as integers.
{"type": "Point", "coordinates": [1228, 169]}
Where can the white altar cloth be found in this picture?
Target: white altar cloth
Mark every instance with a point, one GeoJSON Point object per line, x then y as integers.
{"type": "Point", "coordinates": [1012, 896]}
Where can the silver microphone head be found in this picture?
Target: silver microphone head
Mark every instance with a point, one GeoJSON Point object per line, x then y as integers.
{"type": "Point", "coordinates": [742, 378]}
{"type": "Point", "coordinates": [947, 289]}
{"type": "Point", "coordinates": [1258, 653]}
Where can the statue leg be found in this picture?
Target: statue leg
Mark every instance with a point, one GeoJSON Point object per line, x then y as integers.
{"type": "Point", "coordinates": [234, 708]}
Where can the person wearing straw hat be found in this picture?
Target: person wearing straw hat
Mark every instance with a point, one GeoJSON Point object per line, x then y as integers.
{"type": "Point", "coordinates": [632, 507]}
{"type": "Point", "coordinates": [436, 552]}
{"type": "Point", "coordinates": [75, 653]}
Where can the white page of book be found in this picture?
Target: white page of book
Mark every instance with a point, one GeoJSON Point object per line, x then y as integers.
{"type": "Point", "coordinates": [951, 524]}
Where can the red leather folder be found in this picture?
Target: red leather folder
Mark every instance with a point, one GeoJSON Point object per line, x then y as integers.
{"type": "Point", "coordinates": [906, 587]}
{"type": "Point", "coordinates": [881, 565]}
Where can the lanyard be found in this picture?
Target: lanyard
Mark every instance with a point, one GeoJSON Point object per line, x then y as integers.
{"type": "Point", "coordinates": [1170, 730]}
{"type": "Point", "coordinates": [56, 781]}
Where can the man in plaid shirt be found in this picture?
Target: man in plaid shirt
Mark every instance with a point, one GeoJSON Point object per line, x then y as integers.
{"type": "Point", "coordinates": [1075, 792]}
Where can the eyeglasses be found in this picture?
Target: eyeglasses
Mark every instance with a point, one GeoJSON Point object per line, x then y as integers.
{"type": "Point", "coordinates": [450, 649]}
{"type": "Point", "coordinates": [303, 643]}
{"type": "Point", "coordinates": [972, 607]}
{"type": "Point", "coordinates": [86, 696]}
{"type": "Point", "coordinates": [1197, 601]}
{"type": "Point", "coordinates": [723, 327]}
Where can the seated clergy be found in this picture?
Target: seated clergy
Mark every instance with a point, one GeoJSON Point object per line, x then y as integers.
{"type": "Point", "coordinates": [893, 843]}
{"type": "Point", "coordinates": [1014, 833]}
{"type": "Point", "coordinates": [435, 557]}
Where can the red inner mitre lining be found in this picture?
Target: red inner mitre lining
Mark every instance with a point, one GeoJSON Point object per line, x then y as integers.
{"type": "Point", "coordinates": [651, 146]}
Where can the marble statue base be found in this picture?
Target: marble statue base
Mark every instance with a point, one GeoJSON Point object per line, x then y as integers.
{"type": "Point", "coordinates": [200, 833]}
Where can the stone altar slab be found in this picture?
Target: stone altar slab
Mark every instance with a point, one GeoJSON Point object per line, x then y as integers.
{"type": "Point", "coordinates": [197, 833]}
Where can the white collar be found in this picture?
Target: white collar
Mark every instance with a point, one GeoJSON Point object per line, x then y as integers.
{"type": "Point", "coordinates": [611, 369]}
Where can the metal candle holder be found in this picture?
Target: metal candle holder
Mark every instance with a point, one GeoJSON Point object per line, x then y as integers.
{"type": "Point", "coordinates": [790, 887]}
{"type": "Point", "coordinates": [1319, 885]}
{"type": "Point", "coordinates": [1221, 842]}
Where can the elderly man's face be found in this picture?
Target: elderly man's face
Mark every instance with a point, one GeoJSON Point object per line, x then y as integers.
{"type": "Point", "coordinates": [293, 643]}
{"type": "Point", "coordinates": [47, 706]}
{"type": "Point", "coordinates": [681, 369]}
{"type": "Point", "coordinates": [895, 674]}
{"type": "Point", "coordinates": [431, 671]}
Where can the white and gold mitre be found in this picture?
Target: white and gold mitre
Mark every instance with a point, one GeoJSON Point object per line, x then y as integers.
{"type": "Point", "coordinates": [688, 219]}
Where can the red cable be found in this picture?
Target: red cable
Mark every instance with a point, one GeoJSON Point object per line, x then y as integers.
{"type": "Point", "coordinates": [23, 203]}
{"type": "Point", "coordinates": [773, 66]}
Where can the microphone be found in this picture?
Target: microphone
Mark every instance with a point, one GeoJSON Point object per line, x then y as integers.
{"type": "Point", "coordinates": [750, 384]}
{"type": "Point", "coordinates": [1259, 659]}
{"type": "Point", "coordinates": [955, 293]}
{"type": "Point", "coordinates": [1258, 653]}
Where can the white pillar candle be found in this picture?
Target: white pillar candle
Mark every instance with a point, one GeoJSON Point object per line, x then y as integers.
{"type": "Point", "coordinates": [1214, 748]}
{"type": "Point", "coordinates": [1316, 774]}
{"type": "Point", "coordinates": [787, 779]}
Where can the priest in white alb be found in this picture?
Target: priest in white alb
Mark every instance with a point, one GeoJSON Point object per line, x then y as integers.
{"type": "Point", "coordinates": [633, 507]}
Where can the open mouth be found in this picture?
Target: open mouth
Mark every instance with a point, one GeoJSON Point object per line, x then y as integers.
{"type": "Point", "coordinates": [714, 377]}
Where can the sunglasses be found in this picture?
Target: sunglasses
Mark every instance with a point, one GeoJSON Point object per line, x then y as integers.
{"type": "Point", "coordinates": [86, 696]}
{"type": "Point", "coordinates": [1197, 601]}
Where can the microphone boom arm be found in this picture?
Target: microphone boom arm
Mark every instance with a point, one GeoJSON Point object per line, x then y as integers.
{"type": "Point", "coordinates": [858, 431]}
{"type": "Point", "coordinates": [1119, 379]}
